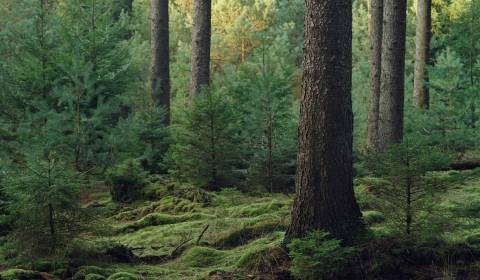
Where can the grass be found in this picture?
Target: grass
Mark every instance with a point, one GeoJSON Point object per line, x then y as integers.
{"type": "Point", "coordinates": [232, 234]}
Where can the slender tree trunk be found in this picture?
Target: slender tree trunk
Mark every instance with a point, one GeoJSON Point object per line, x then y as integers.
{"type": "Point", "coordinates": [201, 40]}
{"type": "Point", "coordinates": [390, 129]}
{"type": "Point", "coordinates": [376, 31]}
{"type": "Point", "coordinates": [324, 188]}
{"type": "Point", "coordinates": [422, 53]}
{"type": "Point", "coordinates": [160, 80]}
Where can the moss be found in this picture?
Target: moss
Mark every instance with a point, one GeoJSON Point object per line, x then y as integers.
{"type": "Point", "coordinates": [167, 205]}
{"type": "Point", "coordinates": [193, 194]}
{"type": "Point", "coordinates": [262, 259]}
{"type": "Point", "coordinates": [373, 217]}
{"type": "Point", "coordinates": [243, 235]}
{"type": "Point", "coordinates": [157, 219]}
{"type": "Point", "coordinates": [95, 277]}
{"type": "Point", "coordinates": [87, 270]}
{"type": "Point", "coordinates": [123, 276]}
{"type": "Point", "coordinates": [473, 240]}
{"type": "Point", "coordinates": [202, 257]}
{"type": "Point", "coordinates": [155, 191]}
{"type": "Point", "coordinates": [20, 274]}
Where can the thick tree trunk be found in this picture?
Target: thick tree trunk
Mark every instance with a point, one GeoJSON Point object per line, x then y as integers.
{"type": "Point", "coordinates": [376, 30]}
{"type": "Point", "coordinates": [160, 80]}
{"type": "Point", "coordinates": [390, 129]}
{"type": "Point", "coordinates": [324, 189]}
{"type": "Point", "coordinates": [422, 53]}
{"type": "Point", "coordinates": [201, 37]}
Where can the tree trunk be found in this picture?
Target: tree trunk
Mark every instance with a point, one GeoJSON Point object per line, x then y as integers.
{"type": "Point", "coordinates": [160, 80]}
{"type": "Point", "coordinates": [375, 72]}
{"type": "Point", "coordinates": [201, 33]}
{"type": "Point", "coordinates": [324, 188]}
{"type": "Point", "coordinates": [390, 129]}
{"type": "Point", "coordinates": [422, 53]}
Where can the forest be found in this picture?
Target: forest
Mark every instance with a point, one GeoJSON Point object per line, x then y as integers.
{"type": "Point", "coordinates": [239, 139]}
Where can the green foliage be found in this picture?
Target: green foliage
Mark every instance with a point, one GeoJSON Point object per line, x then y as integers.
{"type": "Point", "coordinates": [263, 259]}
{"type": "Point", "coordinates": [123, 276]}
{"type": "Point", "coordinates": [263, 94]}
{"type": "Point", "coordinates": [20, 274]}
{"type": "Point", "coordinates": [85, 271]}
{"type": "Point", "coordinates": [373, 217]}
{"type": "Point", "coordinates": [94, 277]}
{"type": "Point", "coordinates": [205, 152]}
{"type": "Point", "coordinates": [408, 191]}
{"type": "Point", "coordinates": [45, 204]}
{"type": "Point", "coordinates": [317, 256]}
{"type": "Point", "coordinates": [143, 136]}
{"type": "Point", "coordinates": [451, 120]}
{"type": "Point", "coordinates": [126, 181]}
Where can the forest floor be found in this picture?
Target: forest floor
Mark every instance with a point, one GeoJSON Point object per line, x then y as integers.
{"type": "Point", "coordinates": [185, 233]}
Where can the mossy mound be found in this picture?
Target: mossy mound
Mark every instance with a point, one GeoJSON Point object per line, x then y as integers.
{"type": "Point", "coordinates": [84, 271]}
{"type": "Point", "coordinates": [123, 276]}
{"type": "Point", "coordinates": [373, 217]}
{"type": "Point", "coordinates": [168, 205]}
{"type": "Point", "coordinates": [263, 259]}
{"type": "Point", "coordinates": [247, 233]}
{"type": "Point", "coordinates": [21, 274]}
{"type": "Point", "coordinates": [202, 257]}
{"type": "Point", "coordinates": [157, 219]}
{"type": "Point", "coordinates": [95, 277]}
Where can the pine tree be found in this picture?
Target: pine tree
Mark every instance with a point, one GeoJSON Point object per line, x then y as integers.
{"type": "Point", "coordinates": [376, 32]}
{"type": "Point", "coordinates": [201, 40]}
{"type": "Point", "coordinates": [160, 81]}
{"type": "Point", "coordinates": [393, 73]}
{"type": "Point", "coordinates": [324, 181]}
{"type": "Point", "coordinates": [422, 53]}
{"type": "Point", "coordinates": [204, 152]}
{"type": "Point", "coordinates": [45, 204]}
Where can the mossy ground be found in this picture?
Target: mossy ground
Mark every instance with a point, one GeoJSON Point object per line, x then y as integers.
{"type": "Point", "coordinates": [235, 234]}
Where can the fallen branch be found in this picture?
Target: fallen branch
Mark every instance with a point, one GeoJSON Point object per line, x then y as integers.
{"type": "Point", "coordinates": [201, 234]}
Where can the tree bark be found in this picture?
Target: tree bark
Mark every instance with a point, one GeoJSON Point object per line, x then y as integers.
{"type": "Point", "coordinates": [390, 129]}
{"type": "Point", "coordinates": [376, 31]}
{"type": "Point", "coordinates": [160, 80]}
{"type": "Point", "coordinates": [201, 40]}
{"type": "Point", "coordinates": [422, 53]}
{"type": "Point", "coordinates": [324, 187]}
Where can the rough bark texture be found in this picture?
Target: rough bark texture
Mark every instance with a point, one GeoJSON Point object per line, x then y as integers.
{"type": "Point", "coordinates": [376, 30]}
{"type": "Point", "coordinates": [422, 53]}
{"type": "Point", "coordinates": [201, 37]}
{"type": "Point", "coordinates": [324, 189]}
{"type": "Point", "coordinates": [160, 56]}
{"type": "Point", "coordinates": [390, 129]}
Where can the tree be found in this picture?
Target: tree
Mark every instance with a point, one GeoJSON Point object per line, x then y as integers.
{"type": "Point", "coordinates": [205, 148]}
{"type": "Point", "coordinates": [390, 129]}
{"type": "Point", "coordinates": [45, 204]}
{"type": "Point", "coordinates": [375, 72]}
{"type": "Point", "coordinates": [160, 56]}
{"type": "Point", "coordinates": [201, 39]}
{"type": "Point", "coordinates": [407, 192]}
{"type": "Point", "coordinates": [324, 180]}
{"type": "Point", "coordinates": [422, 53]}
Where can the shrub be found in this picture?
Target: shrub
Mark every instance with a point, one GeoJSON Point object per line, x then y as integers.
{"type": "Point", "coordinates": [126, 181]}
{"type": "Point", "coordinates": [317, 255]}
